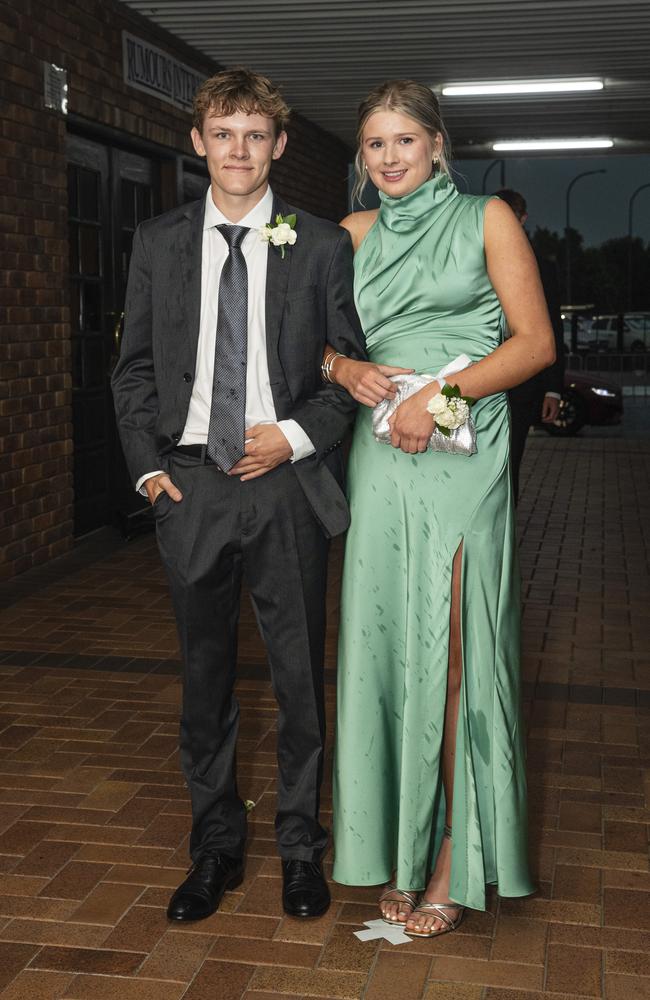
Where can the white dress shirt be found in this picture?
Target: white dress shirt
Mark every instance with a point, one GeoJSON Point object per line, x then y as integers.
{"type": "Point", "coordinates": [259, 398]}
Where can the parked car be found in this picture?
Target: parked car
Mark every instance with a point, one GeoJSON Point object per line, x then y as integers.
{"type": "Point", "coordinates": [636, 331]}
{"type": "Point", "coordinates": [586, 400]}
{"type": "Point", "coordinates": [585, 339]}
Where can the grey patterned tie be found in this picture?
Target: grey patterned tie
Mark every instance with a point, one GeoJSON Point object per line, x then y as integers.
{"type": "Point", "coordinates": [228, 410]}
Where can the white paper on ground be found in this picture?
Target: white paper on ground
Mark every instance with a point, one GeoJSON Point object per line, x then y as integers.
{"type": "Point", "coordinates": [380, 929]}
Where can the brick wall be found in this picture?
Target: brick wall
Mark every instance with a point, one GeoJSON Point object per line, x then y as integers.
{"type": "Point", "coordinates": [35, 382]}
{"type": "Point", "coordinates": [313, 171]}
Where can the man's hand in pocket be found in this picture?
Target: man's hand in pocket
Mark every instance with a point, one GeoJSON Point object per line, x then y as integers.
{"type": "Point", "coordinates": [161, 484]}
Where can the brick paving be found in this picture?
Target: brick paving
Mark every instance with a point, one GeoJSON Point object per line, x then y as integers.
{"type": "Point", "coordinates": [94, 815]}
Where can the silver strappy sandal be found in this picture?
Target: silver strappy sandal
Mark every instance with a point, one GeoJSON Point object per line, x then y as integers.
{"type": "Point", "coordinates": [410, 898]}
{"type": "Point", "coordinates": [438, 910]}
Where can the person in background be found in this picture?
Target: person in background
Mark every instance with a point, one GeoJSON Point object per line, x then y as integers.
{"type": "Point", "coordinates": [539, 397]}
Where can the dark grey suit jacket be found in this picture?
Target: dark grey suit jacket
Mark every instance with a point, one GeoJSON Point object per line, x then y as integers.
{"type": "Point", "coordinates": [550, 379]}
{"type": "Point", "coordinates": [309, 302]}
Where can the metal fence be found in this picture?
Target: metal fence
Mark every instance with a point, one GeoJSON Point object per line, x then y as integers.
{"type": "Point", "coordinates": [631, 371]}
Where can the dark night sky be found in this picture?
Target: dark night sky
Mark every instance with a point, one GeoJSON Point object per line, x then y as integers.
{"type": "Point", "coordinates": [599, 205]}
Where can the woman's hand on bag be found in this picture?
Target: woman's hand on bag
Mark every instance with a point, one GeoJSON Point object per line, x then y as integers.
{"type": "Point", "coordinates": [366, 382]}
{"type": "Point", "coordinates": [411, 425]}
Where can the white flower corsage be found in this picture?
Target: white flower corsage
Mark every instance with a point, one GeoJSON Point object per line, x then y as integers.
{"type": "Point", "coordinates": [282, 234]}
{"type": "Point", "coordinates": [449, 409]}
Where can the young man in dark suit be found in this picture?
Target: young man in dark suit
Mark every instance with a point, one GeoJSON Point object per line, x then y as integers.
{"type": "Point", "coordinates": [228, 427]}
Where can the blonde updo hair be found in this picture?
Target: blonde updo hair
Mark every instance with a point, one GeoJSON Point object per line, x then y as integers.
{"type": "Point", "coordinates": [408, 98]}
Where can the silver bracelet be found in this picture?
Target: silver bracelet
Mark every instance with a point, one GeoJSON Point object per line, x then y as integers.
{"type": "Point", "coordinates": [326, 367]}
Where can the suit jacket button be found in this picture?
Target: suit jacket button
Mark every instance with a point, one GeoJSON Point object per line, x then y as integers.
{"type": "Point", "coordinates": [187, 377]}
{"type": "Point", "coordinates": [176, 437]}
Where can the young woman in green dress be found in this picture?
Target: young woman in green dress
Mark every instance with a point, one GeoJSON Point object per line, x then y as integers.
{"type": "Point", "coordinates": [429, 783]}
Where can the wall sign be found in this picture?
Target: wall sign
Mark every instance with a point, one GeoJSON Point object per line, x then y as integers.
{"type": "Point", "coordinates": [148, 68]}
{"type": "Point", "coordinates": [55, 87]}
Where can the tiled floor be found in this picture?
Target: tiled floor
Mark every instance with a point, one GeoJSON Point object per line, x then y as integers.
{"type": "Point", "coordinates": [94, 816]}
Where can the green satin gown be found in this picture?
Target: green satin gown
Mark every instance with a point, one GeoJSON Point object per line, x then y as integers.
{"type": "Point", "coordinates": [424, 297]}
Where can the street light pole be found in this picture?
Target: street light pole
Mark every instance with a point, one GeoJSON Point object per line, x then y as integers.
{"type": "Point", "coordinates": [502, 164]}
{"type": "Point", "coordinates": [586, 173]}
{"type": "Point", "coordinates": [630, 209]}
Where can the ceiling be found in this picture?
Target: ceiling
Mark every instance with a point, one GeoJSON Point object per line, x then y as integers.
{"type": "Point", "coordinates": [327, 54]}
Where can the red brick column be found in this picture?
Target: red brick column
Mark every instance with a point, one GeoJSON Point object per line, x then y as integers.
{"type": "Point", "coordinates": [35, 416]}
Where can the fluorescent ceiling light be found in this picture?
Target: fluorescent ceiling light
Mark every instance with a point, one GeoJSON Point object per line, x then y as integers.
{"type": "Point", "coordinates": [520, 87]}
{"type": "Point", "coordinates": [546, 144]}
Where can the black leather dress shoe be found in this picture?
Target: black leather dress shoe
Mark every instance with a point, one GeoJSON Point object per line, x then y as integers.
{"type": "Point", "coordinates": [304, 889]}
{"type": "Point", "coordinates": [201, 892]}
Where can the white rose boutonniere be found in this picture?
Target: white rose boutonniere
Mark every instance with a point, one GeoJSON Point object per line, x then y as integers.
{"type": "Point", "coordinates": [449, 409]}
{"type": "Point", "coordinates": [282, 234]}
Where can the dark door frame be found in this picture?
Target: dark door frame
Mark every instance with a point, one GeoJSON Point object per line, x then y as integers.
{"type": "Point", "coordinates": [173, 163]}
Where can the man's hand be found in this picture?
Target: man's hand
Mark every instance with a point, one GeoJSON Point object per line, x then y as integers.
{"type": "Point", "coordinates": [266, 447]}
{"type": "Point", "coordinates": [550, 409]}
{"type": "Point", "coordinates": [412, 425]}
{"type": "Point", "coordinates": [161, 484]}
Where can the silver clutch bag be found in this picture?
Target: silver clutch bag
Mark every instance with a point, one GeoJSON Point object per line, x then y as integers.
{"type": "Point", "coordinates": [461, 441]}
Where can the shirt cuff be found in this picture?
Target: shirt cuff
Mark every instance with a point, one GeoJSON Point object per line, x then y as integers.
{"type": "Point", "coordinates": [554, 395]}
{"type": "Point", "coordinates": [300, 442]}
{"type": "Point", "coordinates": [139, 486]}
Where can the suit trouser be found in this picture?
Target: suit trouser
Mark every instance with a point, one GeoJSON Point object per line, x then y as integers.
{"type": "Point", "coordinates": [524, 413]}
{"type": "Point", "coordinates": [264, 533]}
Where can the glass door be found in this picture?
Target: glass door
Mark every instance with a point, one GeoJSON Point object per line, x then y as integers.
{"type": "Point", "coordinates": [135, 198]}
{"type": "Point", "coordinates": [90, 283]}
{"type": "Point", "coordinates": [110, 192]}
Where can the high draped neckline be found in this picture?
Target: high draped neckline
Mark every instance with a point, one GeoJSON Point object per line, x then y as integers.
{"type": "Point", "coordinates": [405, 214]}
